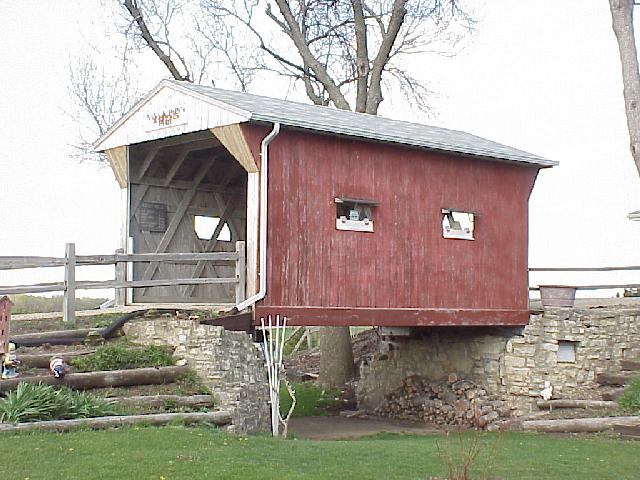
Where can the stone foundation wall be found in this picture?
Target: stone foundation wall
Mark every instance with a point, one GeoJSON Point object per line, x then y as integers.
{"type": "Point", "coordinates": [513, 363]}
{"type": "Point", "coordinates": [229, 363]}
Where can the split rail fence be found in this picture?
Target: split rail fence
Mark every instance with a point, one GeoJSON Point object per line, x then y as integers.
{"type": "Point", "coordinates": [120, 259]}
{"type": "Point", "coordinates": [70, 261]}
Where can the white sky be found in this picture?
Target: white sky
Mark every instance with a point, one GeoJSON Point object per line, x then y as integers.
{"type": "Point", "coordinates": [540, 75]}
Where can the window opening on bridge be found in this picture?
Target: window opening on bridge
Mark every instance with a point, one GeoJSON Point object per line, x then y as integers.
{"type": "Point", "coordinates": [355, 214]}
{"type": "Point", "coordinates": [567, 351]}
{"type": "Point", "coordinates": [458, 224]}
{"type": "Point", "coordinates": [205, 227]}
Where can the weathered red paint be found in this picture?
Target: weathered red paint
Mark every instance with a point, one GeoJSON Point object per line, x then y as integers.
{"type": "Point", "coordinates": [404, 273]}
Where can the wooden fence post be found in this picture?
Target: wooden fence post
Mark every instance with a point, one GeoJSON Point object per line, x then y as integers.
{"type": "Point", "coordinates": [69, 299]}
{"type": "Point", "coordinates": [5, 318]}
{"type": "Point", "coordinates": [241, 272]}
{"type": "Point", "coordinates": [121, 277]}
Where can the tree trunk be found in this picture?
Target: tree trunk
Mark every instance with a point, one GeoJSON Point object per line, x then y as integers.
{"type": "Point", "coordinates": [113, 378]}
{"type": "Point", "coordinates": [336, 357]}
{"type": "Point", "coordinates": [579, 425]}
{"type": "Point", "coordinates": [622, 21]}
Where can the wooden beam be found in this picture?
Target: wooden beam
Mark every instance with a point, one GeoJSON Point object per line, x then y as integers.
{"type": "Point", "coordinates": [182, 156]}
{"type": "Point", "coordinates": [14, 263]}
{"type": "Point", "coordinates": [583, 269]}
{"type": "Point", "coordinates": [146, 163]}
{"type": "Point", "coordinates": [211, 244]}
{"type": "Point", "coordinates": [178, 217]}
{"type": "Point", "coordinates": [119, 161]}
{"type": "Point", "coordinates": [241, 270]}
{"type": "Point", "coordinates": [398, 317]}
{"type": "Point", "coordinates": [253, 208]}
{"type": "Point", "coordinates": [182, 139]}
{"type": "Point", "coordinates": [159, 257]}
{"type": "Point", "coordinates": [36, 288]}
{"type": "Point", "coordinates": [232, 138]}
{"type": "Point", "coordinates": [163, 282]}
{"type": "Point", "coordinates": [186, 185]}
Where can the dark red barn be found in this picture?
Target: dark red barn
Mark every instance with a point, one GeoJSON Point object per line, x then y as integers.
{"type": "Point", "coordinates": [370, 221]}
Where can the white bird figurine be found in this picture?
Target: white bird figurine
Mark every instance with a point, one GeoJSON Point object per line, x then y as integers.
{"type": "Point", "coordinates": [547, 392]}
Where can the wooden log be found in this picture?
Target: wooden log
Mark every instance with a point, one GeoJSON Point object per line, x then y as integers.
{"type": "Point", "coordinates": [613, 378]}
{"type": "Point", "coordinates": [76, 333]}
{"type": "Point", "coordinates": [164, 400]}
{"type": "Point", "coordinates": [113, 378]}
{"type": "Point", "coordinates": [565, 403]}
{"type": "Point", "coordinates": [216, 418]}
{"type": "Point", "coordinates": [628, 431]}
{"type": "Point", "coordinates": [579, 425]}
{"type": "Point", "coordinates": [612, 394]}
{"type": "Point", "coordinates": [630, 365]}
{"type": "Point", "coordinates": [41, 360]}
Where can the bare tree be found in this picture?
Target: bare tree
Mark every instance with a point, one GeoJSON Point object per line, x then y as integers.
{"type": "Point", "coordinates": [343, 52]}
{"type": "Point", "coordinates": [101, 97]}
{"type": "Point", "coordinates": [622, 21]}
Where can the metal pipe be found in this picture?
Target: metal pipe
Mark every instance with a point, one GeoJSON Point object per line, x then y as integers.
{"type": "Point", "coordinates": [264, 161]}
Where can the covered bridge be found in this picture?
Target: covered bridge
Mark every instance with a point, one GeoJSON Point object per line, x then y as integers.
{"type": "Point", "coordinates": [365, 220]}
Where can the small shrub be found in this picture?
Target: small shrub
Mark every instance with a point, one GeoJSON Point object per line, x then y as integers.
{"type": "Point", "coordinates": [467, 456]}
{"type": "Point", "coordinates": [119, 356]}
{"type": "Point", "coordinates": [630, 399]}
{"type": "Point", "coordinates": [191, 384]}
{"type": "Point", "coordinates": [29, 403]}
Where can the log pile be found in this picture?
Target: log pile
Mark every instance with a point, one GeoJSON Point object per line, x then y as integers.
{"type": "Point", "coordinates": [453, 401]}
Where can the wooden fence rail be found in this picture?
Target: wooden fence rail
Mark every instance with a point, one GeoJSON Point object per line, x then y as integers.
{"type": "Point", "coordinates": [590, 269]}
{"type": "Point", "coordinates": [120, 260]}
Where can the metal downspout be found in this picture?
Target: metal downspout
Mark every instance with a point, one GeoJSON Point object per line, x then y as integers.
{"type": "Point", "coordinates": [264, 160]}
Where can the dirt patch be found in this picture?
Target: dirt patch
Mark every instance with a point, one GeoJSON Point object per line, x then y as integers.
{"type": "Point", "coordinates": [340, 428]}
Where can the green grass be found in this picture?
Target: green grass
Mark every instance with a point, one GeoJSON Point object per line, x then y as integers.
{"type": "Point", "coordinates": [629, 402]}
{"type": "Point", "coordinates": [38, 304]}
{"type": "Point", "coordinates": [311, 400]}
{"type": "Point", "coordinates": [120, 356]}
{"type": "Point", "coordinates": [177, 452]}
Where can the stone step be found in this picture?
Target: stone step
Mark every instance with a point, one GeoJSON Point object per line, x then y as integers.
{"type": "Point", "coordinates": [630, 365]}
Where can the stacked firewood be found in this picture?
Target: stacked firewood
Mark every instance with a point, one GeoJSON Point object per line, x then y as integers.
{"type": "Point", "coordinates": [452, 401]}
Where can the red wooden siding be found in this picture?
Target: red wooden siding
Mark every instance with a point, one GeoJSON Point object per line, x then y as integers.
{"type": "Point", "coordinates": [404, 273]}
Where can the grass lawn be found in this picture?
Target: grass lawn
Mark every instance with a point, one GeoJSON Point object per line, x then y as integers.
{"type": "Point", "coordinates": [176, 452]}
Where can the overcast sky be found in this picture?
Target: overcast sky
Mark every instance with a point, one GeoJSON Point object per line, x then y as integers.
{"type": "Point", "coordinates": [542, 76]}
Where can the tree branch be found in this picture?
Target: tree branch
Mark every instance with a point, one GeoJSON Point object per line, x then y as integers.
{"type": "Point", "coordinates": [152, 43]}
{"type": "Point", "coordinates": [293, 31]}
{"type": "Point", "coordinates": [374, 96]}
{"type": "Point", "coordinates": [362, 56]}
